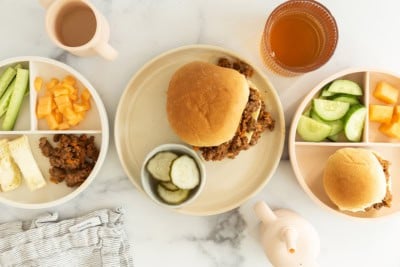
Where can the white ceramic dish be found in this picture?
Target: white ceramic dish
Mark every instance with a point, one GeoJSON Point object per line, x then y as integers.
{"type": "Point", "coordinates": [148, 183]}
{"type": "Point", "coordinates": [95, 123]}
{"type": "Point", "coordinates": [141, 124]}
{"type": "Point", "coordinates": [309, 158]}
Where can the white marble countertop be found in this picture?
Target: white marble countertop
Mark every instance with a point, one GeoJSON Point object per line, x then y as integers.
{"type": "Point", "coordinates": [140, 30]}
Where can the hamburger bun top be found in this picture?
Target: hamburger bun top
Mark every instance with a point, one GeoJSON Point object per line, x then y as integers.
{"type": "Point", "coordinates": [205, 103]}
{"type": "Point", "coordinates": [354, 179]}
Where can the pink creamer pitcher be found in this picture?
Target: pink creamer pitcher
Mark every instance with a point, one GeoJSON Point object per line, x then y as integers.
{"type": "Point", "coordinates": [288, 239]}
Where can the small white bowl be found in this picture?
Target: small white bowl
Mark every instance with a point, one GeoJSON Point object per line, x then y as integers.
{"type": "Point", "coordinates": [148, 182]}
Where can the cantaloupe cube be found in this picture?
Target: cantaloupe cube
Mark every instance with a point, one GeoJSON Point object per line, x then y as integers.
{"type": "Point", "coordinates": [53, 82]}
{"type": "Point", "coordinates": [63, 126]}
{"type": "Point", "coordinates": [69, 80]}
{"type": "Point", "coordinates": [63, 102]}
{"type": "Point", "coordinates": [380, 113]}
{"type": "Point", "coordinates": [386, 92]}
{"type": "Point", "coordinates": [396, 114]}
{"type": "Point", "coordinates": [391, 129]}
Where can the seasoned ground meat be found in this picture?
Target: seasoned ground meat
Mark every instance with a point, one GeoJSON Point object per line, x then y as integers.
{"type": "Point", "coordinates": [239, 142]}
{"type": "Point", "coordinates": [387, 201]}
{"type": "Point", "coordinates": [72, 159]}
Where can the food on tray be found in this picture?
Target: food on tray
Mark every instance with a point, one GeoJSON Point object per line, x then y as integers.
{"type": "Point", "coordinates": [72, 159]}
{"type": "Point", "coordinates": [380, 113]}
{"type": "Point", "coordinates": [22, 154]}
{"type": "Point", "coordinates": [61, 105]}
{"type": "Point", "coordinates": [386, 92]}
{"type": "Point", "coordinates": [387, 115]}
{"type": "Point", "coordinates": [10, 175]}
{"type": "Point", "coordinates": [337, 114]}
{"type": "Point", "coordinates": [357, 179]}
{"type": "Point", "coordinates": [174, 175]}
{"type": "Point", "coordinates": [215, 109]}
{"type": "Point", "coordinates": [13, 87]}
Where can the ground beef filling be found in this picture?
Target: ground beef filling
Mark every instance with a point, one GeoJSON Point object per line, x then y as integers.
{"type": "Point", "coordinates": [387, 201]}
{"type": "Point", "coordinates": [240, 142]}
{"type": "Point", "coordinates": [72, 159]}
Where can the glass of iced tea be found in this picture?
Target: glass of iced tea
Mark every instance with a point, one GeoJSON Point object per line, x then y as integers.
{"type": "Point", "coordinates": [299, 36]}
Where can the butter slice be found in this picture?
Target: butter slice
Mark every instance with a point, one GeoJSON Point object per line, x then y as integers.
{"type": "Point", "coordinates": [22, 154]}
{"type": "Point", "coordinates": [10, 175]}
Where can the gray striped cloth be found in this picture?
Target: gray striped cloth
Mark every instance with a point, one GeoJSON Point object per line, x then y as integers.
{"type": "Point", "coordinates": [96, 239]}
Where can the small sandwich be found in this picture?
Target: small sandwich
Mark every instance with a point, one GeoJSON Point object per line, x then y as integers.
{"type": "Point", "coordinates": [215, 110]}
{"type": "Point", "coordinates": [358, 180]}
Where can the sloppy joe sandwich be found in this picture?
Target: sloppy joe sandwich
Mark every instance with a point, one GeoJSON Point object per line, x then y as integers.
{"type": "Point", "coordinates": [215, 109]}
{"type": "Point", "coordinates": [358, 179]}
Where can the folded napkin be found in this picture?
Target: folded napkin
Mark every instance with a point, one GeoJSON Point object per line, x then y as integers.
{"type": "Point", "coordinates": [96, 239]}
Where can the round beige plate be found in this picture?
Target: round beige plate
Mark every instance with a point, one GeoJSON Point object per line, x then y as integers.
{"type": "Point", "coordinates": [141, 124]}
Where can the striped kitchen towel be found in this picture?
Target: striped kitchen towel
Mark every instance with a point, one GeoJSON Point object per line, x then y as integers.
{"type": "Point", "coordinates": [96, 239]}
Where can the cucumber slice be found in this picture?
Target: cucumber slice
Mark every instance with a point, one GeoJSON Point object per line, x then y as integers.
{"type": "Point", "coordinates": [330, 110]}
{"type": "Point", "coordinates": [337, 125]}
{"type": "Point", "coordinates": [185, 173]}
{"type": "Point", "coordinates": [345, 87]}
{"type": "Point", "coordinates": [340, 137]}
{"type": "Point", "coordinates": [21, 82]}
{"type": "Point", "coordinates": [351, 99]}
{"type": "Point", "coordinates": [169, 186]}
{"type": "Point", "coordinates": [325, 92]}
{"type": "Point", "coordinates": [354, 122]}
{"type": "Point", "coordinates": [172, 197]}
{"type": "Point", "coordinates": [159, 166]}
{"type": "Point", "coordinates": [312, 130]}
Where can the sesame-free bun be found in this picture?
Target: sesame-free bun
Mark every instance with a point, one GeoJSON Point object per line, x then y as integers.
{"type": "Point", "coordinates": [354, 179]}
{"type": "Point", "coordinates": [205, 103]}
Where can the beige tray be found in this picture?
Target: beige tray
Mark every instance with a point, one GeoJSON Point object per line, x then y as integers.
{"type": "Point", "coordinates": [141, 124]}
{"type": "Point", "coordinates": [95, 123]}
{"type": "Point", "coordinates": [309, 158]}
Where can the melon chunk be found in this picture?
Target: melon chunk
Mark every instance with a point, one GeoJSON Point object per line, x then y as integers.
{"type": "Point", "coordinates": [386, 92]}
{"type": "Point", "coordinates": [380, 113]}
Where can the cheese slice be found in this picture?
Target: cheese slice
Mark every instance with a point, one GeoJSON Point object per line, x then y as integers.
{"type": "Point", "coordinates": [22, 154]}
{"type": "Point", "coordinates": [10, 175]}
{"type": "Point", "coordinates": [254, 115]}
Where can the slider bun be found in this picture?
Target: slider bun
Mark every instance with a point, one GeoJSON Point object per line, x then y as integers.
{"type": "Point", "coordinates": [354, 179]}
{"type": "Point", "coordinates": [205, 103]}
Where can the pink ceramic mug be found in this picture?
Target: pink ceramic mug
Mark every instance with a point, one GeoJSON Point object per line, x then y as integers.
{"type": "Point", "coordinates": [78, 27]}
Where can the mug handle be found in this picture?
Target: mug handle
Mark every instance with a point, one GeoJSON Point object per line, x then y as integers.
{"type": "Point", "coordinates": [106, 51]}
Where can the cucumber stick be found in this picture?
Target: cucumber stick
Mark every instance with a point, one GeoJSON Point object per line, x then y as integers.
{"type": "Point", "coordinates": [6, 78]}
{"type": "Point", "coordinates": [21, 82]}
{"type": "Point", "coordinates": [5, 99]}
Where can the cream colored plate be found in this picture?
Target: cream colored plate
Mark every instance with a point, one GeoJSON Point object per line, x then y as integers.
{"type": "Point", "coordinates": [141, 124]}
{"type": "Point", "coordinates": [95, 123]}
{"type": "Point", "coordinates": [309, 158]}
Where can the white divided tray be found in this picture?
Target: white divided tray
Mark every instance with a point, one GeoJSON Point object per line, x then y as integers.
{"type": "Point", "coordinates": [94, 124]}
{"type": "Point", "coordinates": [309, 158]}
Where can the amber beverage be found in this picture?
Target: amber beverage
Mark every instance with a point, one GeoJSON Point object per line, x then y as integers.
{"type": "Point", "coordinates": [299, 36]}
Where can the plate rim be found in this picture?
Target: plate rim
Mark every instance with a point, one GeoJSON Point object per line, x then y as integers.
{"type": "Point", "coordinates": [104, 133]}
{"type": "Point", "coordinates": [292, 140]}
{"type": "Point", "coordinates": [272, 90]}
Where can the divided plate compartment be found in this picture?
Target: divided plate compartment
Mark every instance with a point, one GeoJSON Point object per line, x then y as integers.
{"type": "Point", "coordinates": [309, 158]}
{"type": "Point", "coordinates": [95, 124]}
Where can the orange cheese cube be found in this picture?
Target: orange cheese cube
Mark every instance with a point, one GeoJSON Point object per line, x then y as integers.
{"type": "Point", "coordinates": [380, 113]}
{"type": "Point", "coordinates": [396, 114]}
{"type": "Point", "coordinates": [386, 92]}
{"type": "Point", "coordinates": [38, 83]}
{"type": "Point", "coordinates": [63, 102]}
{"type": "Point", "coordinates": [53, 82]}
{"type": "Point", "coordinates": [52, 122]}
{"type": "Point", "coordinates": [44, 106]}
{"type": "Point", "coordinates": [69, 80]}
